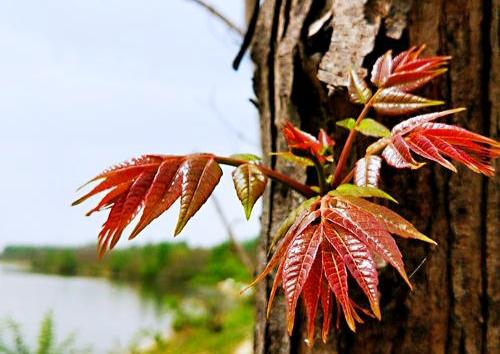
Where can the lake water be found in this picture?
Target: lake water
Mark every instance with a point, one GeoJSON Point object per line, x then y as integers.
{"type": "Point", "coordinates": [102, 314]}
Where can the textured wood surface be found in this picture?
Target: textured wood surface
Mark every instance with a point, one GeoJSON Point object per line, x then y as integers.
{"type": "Point", "coordinates": [455, 305]}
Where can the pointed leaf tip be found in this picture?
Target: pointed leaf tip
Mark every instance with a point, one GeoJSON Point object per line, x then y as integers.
{"type": "Point", "coordinates": [359, 92]}
{"type": "Point", "coordinates": [249, 183]}
{"type": "Point", "coordinates": [348, 189]}
{"type": "Point", "coordinates": [200, 174]}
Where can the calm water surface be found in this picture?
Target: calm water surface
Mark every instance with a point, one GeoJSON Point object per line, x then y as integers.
{"type": "Point", "coordinates": [102, 314]}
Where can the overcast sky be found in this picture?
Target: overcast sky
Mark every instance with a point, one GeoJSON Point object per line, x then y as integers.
{"type": "Point", "coordinates": [88, 83]}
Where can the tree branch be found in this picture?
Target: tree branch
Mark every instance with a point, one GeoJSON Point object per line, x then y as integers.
{"type": "Point", "coordinates": [220, 16]}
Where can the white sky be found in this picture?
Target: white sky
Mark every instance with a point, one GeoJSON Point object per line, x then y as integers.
{"type": "Point", "coordinates": [85, 84]}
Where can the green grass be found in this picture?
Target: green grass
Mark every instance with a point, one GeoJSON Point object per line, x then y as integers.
{"type": "Point", "coordinates": [46, 340]}
{"type": "Point", "coordinates": [174, 273]}
{"type": "Point", "coordinates": [203, 338]}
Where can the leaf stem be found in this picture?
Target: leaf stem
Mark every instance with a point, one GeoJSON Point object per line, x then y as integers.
{"type": "Point", "coordinates": [323, 185]}
{"type": "Point", "coordinates": [350, 140]}
{"type": "Point", "coordinates": [303, 189]}
{"type": "Point", "coordinates": [349, 176]}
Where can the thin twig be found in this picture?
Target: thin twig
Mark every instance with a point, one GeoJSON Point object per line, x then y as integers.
{"type": "Point", "coordinates": [220, 16]}
{"type": "Point", "coordinates": [248, 36]}
{"type": "Point", "coordinates": [418, 267]}
{"type": "Point", "coordinates": [235, 245]}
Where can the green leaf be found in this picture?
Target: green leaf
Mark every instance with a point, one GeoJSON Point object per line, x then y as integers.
{"type": "Point", "coordinates": [288, 222]}
{"type": "Point", "coordinates": [347, 123]}
{"type": "Point", "coordinates": [246, 157]}
{"type": "Point", "coordinates": [370, 127]}
{"type": "Point", "coordinates": [250, 183]}
{"type": "Point", "coordinates": [290, 157]}
{"type": "Point", "coordinates": [360, 191]}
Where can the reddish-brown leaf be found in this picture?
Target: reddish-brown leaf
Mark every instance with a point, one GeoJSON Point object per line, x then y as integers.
{"type": "Point", "coordinates": [410, 73]}
{"type": "Point", "coordinates": [393, 222]}
{"type": "Point", "coordinates": [424, 147]}
{"type": "Point", "coordinates": [410, 124]}
{"type": "Point", "coordinates": [408, 81]}
{"type": "Point", "coordinates": [310, 295]}
{"type": "Point", "coordinates": [348, 231]}
{"type": "Point", "coordinates": [164, 191]}
{"type": "Point", "coordinates": [106, 234]}
{"type": "Point", "coordinates": [111, 197]}
{"type": "Point", "coordinates": [304, 219]}
{"type": "Point", "coordinates": [116, 176]}
{"type": "Point", "coordinates": [358, 260]}
{"type": "Point", "coordinates": [327, 306]}
{"type": "Point", "coordinates": [391, 101]}
{"type": "Point", "coordinates": [199, 174]}
{"type": "Point", "coordinates": [370, 231]}
{"type": "Point", "coordinates": [250, 183]}
{"type": "Point", "coordinates": [367, 171]}
{"type": "Point", "coordinates": [152, 183]}
{"type": "Point", "coordinates": [394, 158]}
{"type": "Point", "coordinates": [336, 274]}
{"type": "Point", "coordinates": [433, 140]}
{"type": "Point", "coordinates": [305, 145]}
{"type": "Point", "coordinates": [382, 69]}
{"type": "Point", "coordinates": [132, 204]}
{"type": "Point", "coordinates": [297, 264]}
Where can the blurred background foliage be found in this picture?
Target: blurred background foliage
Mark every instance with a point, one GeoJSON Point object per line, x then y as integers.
{"type": "Point", "coordinates": [200, 287]}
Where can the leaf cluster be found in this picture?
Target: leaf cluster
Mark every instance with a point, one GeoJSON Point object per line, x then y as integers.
{"type": "Point", "coordinates": [337, 233]}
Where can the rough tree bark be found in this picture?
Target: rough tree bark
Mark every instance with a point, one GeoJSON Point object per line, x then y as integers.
{"type": "Point", "coordinates": [300, 49]}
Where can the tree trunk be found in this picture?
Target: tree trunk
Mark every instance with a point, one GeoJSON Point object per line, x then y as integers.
{"type": "Point", "coordinates": [299, 62]}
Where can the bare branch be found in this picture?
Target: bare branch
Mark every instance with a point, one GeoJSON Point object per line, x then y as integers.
{"type": "Point", "coordinates": [235, 245]}
{"type": "Point", "coordinates": [220, 16]}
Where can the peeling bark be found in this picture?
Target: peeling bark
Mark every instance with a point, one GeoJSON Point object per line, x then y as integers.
{"type": "Point", "coordinates": [455, 305]}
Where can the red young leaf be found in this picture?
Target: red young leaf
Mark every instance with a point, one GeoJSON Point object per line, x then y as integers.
{"type": "Point", "coordinates": [433, 140]}
{"type": "Point", "coordinates": [111, 197]}
{"type": "Point", "coordinates": [132, 203]}
{"type": "Point", "coordinates": [327, 143]}
{"type": "Point", "coordinates": [250, 183]}
{"type": "Point", "coordinates": [164, 191]}
{"type": "Point", "coordinates": [304, 144]}
{"type": "Point", "coordinates": [152, 183]}
{"type": "Point", "coordinates": [336, 274]}
{"type": "Point", "coordinates": [199, 174]}
{"type": "Point", "coordinates": [333, 236]}
{"type": "Point", "coordinates": [406, 71]}
{"type": "Point", "coordinates": [393, 222]}
{"type": "Point", "coordinates": [370, 232]}
{"type": "Point", "coordinates": [327, 306]}
{"type": "Point", "coordinates": [298, 262]}
{"type": "Point", "coordinates": [311, 295]}
{"type": "Point", "coordinates": [382, 69]}
{"type": "Point", "coordinates": [408, 81]}
{"type": "Point", "coordinates": [357, 258]}
{"type": "Point", "coordinates": [298, 139]}
{"type": "Point", "coordinates": [367, 171]}
{"type": "Point", "coordinates": [393, 102]}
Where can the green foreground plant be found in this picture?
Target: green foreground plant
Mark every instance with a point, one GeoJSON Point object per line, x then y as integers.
{"type": "Point", "coordinates": [12, 340]}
